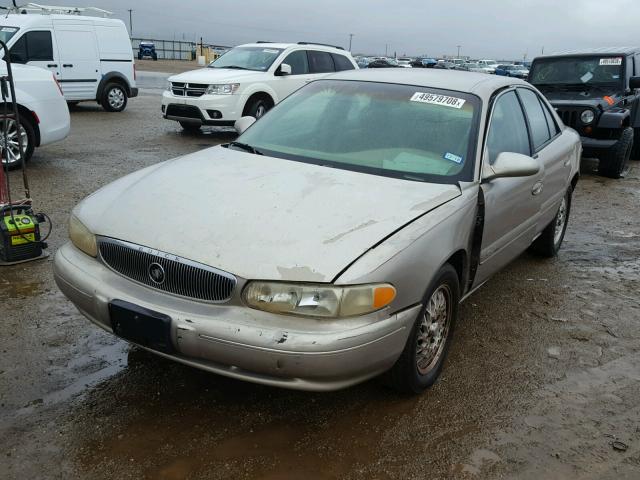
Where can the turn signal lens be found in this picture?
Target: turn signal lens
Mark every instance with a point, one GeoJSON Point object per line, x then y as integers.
{"type": "Point", "coordinates": [325, 301]}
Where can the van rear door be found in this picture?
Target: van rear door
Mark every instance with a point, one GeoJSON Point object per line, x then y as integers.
{"type": "Point", "coordinates": [79, 60]}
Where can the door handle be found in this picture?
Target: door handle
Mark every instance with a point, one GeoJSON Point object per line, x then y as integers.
{"type": "Point", "coordinates": [537, 188]}
{"type": "Point", "coordinates": [52, 65]}
{"type": "Point", "coordinates": [66, 65]}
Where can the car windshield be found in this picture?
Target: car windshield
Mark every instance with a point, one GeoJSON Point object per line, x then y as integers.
{"type": "Point", "coordinates": [577, 70]}
{"type": "Point", "coordinates": [401, 131]}
{"type": "Point", "coordinates": [247, 58]}
{"type": "Point", "coordinates": [6, 33]}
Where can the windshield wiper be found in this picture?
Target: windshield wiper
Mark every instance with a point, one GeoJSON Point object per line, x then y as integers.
{"type": "Point", "coordinates": [234, 67]}
{"type": "Point", "coordinates": [246, 147]}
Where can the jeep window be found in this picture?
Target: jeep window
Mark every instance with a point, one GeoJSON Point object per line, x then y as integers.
{"type": "Point", "coordinates": [537, 120]}
{"type": "Point", "coordinates": [258, 59]}
{"type": "Point", "coordinates": [591, 70]}
{"type": "Point", "coordinates": [343, 63]}
{"type": "Point", "coordinates": [35, 46]}
{"type": "Point", "coordinates": [508, 129]}
{"type": "Point", "coordinates": [377, 128]}
{"type": "Point", "coordinates": [320, 62]}
{"type": "Point", "coordinates": [298, 62]}
{"type": "Point", "coordinates": [553, 126]}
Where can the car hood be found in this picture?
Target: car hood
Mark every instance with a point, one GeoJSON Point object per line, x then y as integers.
{"type": "Point", "coordinates": [215, 75]}
{"type": "Point", "coordinates": [256, 216]}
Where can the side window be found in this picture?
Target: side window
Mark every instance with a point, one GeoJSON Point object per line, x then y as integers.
{"type": "Point", "coordinates": [537, 119]}
{"type": "Point", "coordinates": [18, 52]}
{"type": "Point", "coordinates": [320, 62]}
{"type": "Point", "coordinates": [298, 62]}
{"type": "Point", "coordinates": [551, 123]}
{"type": "Point", "coordinates": [508, 129]}
{"type": "Point", "coordinates": [32, 46]}
{"type": "Point", "coordinates": [342, 62]}
{"type": "Point", "coordinates": [39, 45]}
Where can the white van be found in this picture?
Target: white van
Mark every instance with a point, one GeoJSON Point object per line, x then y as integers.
{"type": "Point", "coordinates": [91, 57]}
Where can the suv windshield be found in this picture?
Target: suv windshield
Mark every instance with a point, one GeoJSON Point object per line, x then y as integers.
{"type": "Point", "coordinates": [247, 58]}
{"type": "Point", "coordinates": [6, 33]}
{"type": "Point", "coordinates": [577, 70]}
{"type": "Point", "coordinates": [401, 131]}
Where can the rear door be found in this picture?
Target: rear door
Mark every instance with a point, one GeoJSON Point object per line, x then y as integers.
{"type": "Point", "coordinates": [511, 205]}
{"type": "Point", "coordinates": [79, 60]}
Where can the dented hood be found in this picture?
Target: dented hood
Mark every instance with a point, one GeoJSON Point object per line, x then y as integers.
{"type": "Point", "coordinates": [258, 217]}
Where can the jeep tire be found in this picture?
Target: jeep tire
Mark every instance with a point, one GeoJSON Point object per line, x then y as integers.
{"type": "Point", "coordinates": [613, 163]}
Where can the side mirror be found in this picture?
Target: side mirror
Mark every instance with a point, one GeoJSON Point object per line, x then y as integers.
{"type": "Point", "coordinates": [283, 70]}
{"type": "Point", "coordinates": [509, 164]}
{"type": "Point", "coordinates": [243, 123]}
{"type": "Point", "coordinates": [634, 82]}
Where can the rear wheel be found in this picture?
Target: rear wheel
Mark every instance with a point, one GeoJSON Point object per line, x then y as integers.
{"type": "Point", "coordinates": [426, 349]}
{"type": "Point", "coordinates": [13, 155]}
{"type": "Point", "coordinates": [190, 127]}
{"type": "Point", "coordinates": [549, 242]}
{"type": "Point", "coordinates": [114, 98]}
{"type": "Point", "coordinates": [613, 163]}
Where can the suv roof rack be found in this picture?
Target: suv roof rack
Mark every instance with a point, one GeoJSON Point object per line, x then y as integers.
{"type": "Point", "coordinates": [54, 9]}
{"type": "Point", "coordinates": [322, 44]}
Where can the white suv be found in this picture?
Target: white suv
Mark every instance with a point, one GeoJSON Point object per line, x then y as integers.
{"type": "Point", "coordinates": [247, 81]}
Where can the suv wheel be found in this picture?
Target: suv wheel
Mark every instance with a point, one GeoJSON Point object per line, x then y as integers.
{"type": "Point", "coordinates": [114, 98]}
{"type": "Point", "coordinates": [258, 108]}
{"type": "Point", "coordinates": [13, 158]}
{"type": "Point", "coordinates": [613, 163]}
{"type": "Point", "coordinates": [426, 349]}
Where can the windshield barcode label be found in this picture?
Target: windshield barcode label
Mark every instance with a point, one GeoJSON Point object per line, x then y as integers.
{"type": "Point", "coordinates": [611, 61]}
{"type": "Point", "coordinates": [435, 99]}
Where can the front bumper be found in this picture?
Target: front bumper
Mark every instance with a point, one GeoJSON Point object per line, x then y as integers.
{"type": "Point", "coordinates": [239, 342]}
{"type": "Point", "coordinates": [216, 110]}
{"type": "Point", "coordinates": [592, 146]}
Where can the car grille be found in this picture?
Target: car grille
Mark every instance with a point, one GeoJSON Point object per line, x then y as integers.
{"type": "Point", "coordinates": [181, 277]}
{"type": "Point", "coordinates": [188, 89]}
{"type": "Point", "coordinates": [569, 117]}
{"type": "Point", "coordinates": [184, 111]}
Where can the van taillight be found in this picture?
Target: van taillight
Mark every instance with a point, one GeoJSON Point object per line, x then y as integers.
{"type": "Point", "coordinates": [135, 75]}
{"type": "Point", "coordinates": [57, 84]}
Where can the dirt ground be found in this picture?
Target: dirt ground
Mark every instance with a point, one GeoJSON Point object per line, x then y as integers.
{"type": "Point", "coordinates": [168, 66]}
{"type": "Point", "coordinates": [542, 380]}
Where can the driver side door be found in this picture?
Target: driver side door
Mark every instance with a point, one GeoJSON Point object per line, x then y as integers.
{"type": "Point", "coordinates": [511, 205]}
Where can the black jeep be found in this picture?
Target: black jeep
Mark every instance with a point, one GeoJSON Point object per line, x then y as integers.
{"type": "Point", "coordinates": [596, 92]}
{"type": "Point", "coordinates": [147, 50]}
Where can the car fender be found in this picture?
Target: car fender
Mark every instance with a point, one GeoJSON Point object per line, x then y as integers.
{"type": "Point", "coordinates": [614, 118]}
{"type": "Point", "coordinates": [260, 87]}
{"type": "Point", "coordinates": [409, 258]}
{"type": "Point", "coordinates": [108, 77]}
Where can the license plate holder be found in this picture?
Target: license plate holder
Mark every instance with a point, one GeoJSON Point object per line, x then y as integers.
{"type": "Point", "coordinates": [141, 325]}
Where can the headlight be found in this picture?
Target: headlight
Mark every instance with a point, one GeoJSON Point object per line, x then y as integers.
{"type": "Point", "coordinates": [226, 89]}
{"type": "Point", "coordinates": [81, 237]}
{"type": "Point", "coordinates": [325, 301]}
{"type": "Point", "coordinates": [587, 116]}
{"type": "Point", "coordinates": [169, 87]}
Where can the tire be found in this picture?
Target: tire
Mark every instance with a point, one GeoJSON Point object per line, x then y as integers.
{"type": "Point", "coordinates": [408, 374]}
{"type": "Point", "coordinates": [28, 142]}
{"type": "Point", "coordinates": [139, 56]}
{"type": "Point", "coordinates": [155, 57]}
{"type": "Point", "coordinates": [114, 97]}
{"type": "Point", "coordinates": [190, 127]}
{"type": "Point", "coordinates": [635, 152]}
{"type": "Point", "coordinates": [613, 163]}
{"type": "Point", "coordinates": [549, 242]}
{"type": "Point", "coordinates": [257, 108]}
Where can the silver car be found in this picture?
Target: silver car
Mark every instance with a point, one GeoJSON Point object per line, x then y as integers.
{"type": "Point", "coordinates": [333, 241]}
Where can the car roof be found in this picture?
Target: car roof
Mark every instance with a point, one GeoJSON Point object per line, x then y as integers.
{"type": "Point", "coordinates": [479, 84]}
{"type": "Point", "coordinates": [307, 46]}
{"type": "Point", "coordinates": [20, 20]}
{"type": "Point", "coordinates": [595, 51]}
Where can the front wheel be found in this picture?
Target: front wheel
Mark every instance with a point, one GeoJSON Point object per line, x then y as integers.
{"type": "Point", "coordinates": [549, 242]}
{"type": "Point", "coordinates": [426, 349]}
{"type": "Point", "coordinates": [258, 108]}
{"type": "Point", "coordinates": [114, 98]}
{"type": "Point", "coordinates": [13, 157]}
{"type": "Point", "coordinates": [613, 163]}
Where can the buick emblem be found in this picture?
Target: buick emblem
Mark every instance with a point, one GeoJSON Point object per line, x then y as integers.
{"type": "Point", "coordinates": [156, 273]}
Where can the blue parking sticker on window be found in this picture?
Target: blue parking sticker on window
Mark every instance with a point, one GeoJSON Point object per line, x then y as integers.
{"type": "Point", "coordinates": [453, 157]}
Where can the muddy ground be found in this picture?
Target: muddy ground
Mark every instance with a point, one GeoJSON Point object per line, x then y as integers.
{"type": "Point", "coordinates": [542, 380]}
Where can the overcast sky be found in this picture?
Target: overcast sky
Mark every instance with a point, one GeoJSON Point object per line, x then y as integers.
{"type": "Point", "coordinates": [499, 29]}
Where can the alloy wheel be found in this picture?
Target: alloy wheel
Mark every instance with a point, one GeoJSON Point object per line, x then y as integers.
{"type": "Point", "coordinates": [561, 220]}
{"type": "Point", "coordinates": [433, 330]}
{"type": "Point", "coordinates": [14, 155]}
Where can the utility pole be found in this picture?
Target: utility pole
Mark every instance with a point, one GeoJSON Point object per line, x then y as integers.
{"type": "Point", "coordinates": [543, 50]}
{"type": "Point", "coordinates": [350, 40]}
{"type": "Point", "coordinates": [130, 22]}
{"type": "Point", "coordinates": [459, 50]}
{"type": "Point", "coordinates": [386, 48]}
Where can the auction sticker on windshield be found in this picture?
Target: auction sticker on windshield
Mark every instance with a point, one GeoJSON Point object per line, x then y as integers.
{"type": "Point", "coordinates": [611, 61]}
{"type": "Point", "coordinates": [435, 99]}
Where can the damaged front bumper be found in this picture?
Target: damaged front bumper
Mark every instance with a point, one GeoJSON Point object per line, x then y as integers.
{"type": "Point", "coordinates": [236, 341]}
